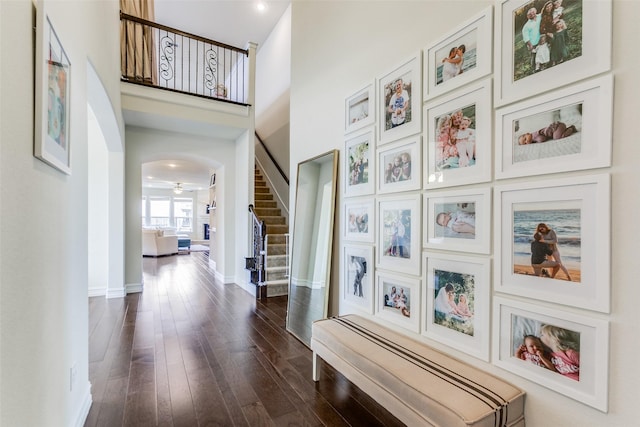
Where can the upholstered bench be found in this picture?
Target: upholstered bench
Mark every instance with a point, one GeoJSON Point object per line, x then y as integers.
{"type": "Point", "coordinates": [416, 383]}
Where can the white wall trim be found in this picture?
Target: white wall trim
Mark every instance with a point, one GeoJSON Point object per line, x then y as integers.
{"type": "Point", "coordinates": [97, 292]}
{"type": "Point", "coordinates": [83, 412]}
{"type": "Point", "coordinates": [132, 288]}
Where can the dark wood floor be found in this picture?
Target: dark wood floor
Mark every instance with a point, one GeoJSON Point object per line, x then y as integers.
{"type": "Point", "coordinates": [190, 351]}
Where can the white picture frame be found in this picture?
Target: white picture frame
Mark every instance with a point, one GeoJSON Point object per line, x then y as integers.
{"type": "Point", "coordinates": [586, 107]}
{"type": "Point", "coordinates": [358, 279]}
{"type": "Point", "coordinates": [359, 109]}
{"type": "Point", "coordinates": [398, 238]}
{"type": "Point", "coordinates": [403, 311]}
{"type": "Point", "coordinates": [406, 119]}
{"type": "Point", "coordinates": [467, 215]}
{"type": "Point", "coordinates": [399, 166]}
{"type": "Point", "coordinates": [578, 210]}
{"type": "Point", "coordinates": [476, 35]}
{"type": "Point", "coordinates": [359, 220]}
{"type": "Point", "coordinates": [513, 319]}
{"type": "Point", "coordinates": [469, 277]}
{"type": "Point", "coordinates": [360, 164]}
{"type": "Point", "coordinates": [442, 158]}
{"type": "Point", "coordinates": [589, 49]}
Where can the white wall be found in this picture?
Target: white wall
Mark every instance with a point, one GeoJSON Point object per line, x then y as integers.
{"type": "Point", "coordinates": [339, 47]}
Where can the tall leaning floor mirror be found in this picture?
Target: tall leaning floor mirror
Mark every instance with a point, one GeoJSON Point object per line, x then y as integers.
{"type": "Point", "coordinates": [312, 243]}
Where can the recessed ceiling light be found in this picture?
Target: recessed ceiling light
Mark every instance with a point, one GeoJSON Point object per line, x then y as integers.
{"type": "Point", "coordinates": [261, 6]}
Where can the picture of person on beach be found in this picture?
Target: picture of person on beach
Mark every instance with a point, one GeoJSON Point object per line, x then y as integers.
{"type": "Point", "coordinates": [456, 57]}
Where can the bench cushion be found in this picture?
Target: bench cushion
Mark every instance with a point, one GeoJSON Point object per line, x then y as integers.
{"type": "Point", "coordinates": [414, 381]}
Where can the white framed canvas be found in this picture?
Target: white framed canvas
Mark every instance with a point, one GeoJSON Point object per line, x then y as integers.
{"type": "Point", "coordinates": [359, 109]}
{"type": "Point", "coordinates": [577, 45]}
{"type": "Point", "coordinates": [553, 241]}
{"type": "Point", "coordinates": [400, 101]}
{"type": "Point", "coordinates": [573, 357]}
{"type": "Point", "coordinates": [568, 129]}
{"type": "Point", "coordinates": [458, 137]}
{"type": "Point", "coordinates": [399, 166]}
{"type": "Point", "coordinates": [460, 57]}
{"type": "Point", "coordinates": [358, 270]}
{"type": "Point", "coordinates": [359, 220]}
{"type": "Point", "coordinates": [458, 220]}
{"type": "Point", "coordinates": [398, 238]}
{"type": "Point", "coordinates": [456, 303]}
{"type": "Point", "coordinates": [398, 300]}
{"type": "Point", "coordinates": [360, 165]}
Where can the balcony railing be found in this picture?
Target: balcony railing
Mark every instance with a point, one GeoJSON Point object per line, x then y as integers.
{"type": "Point", "coordinates": [167, 58]}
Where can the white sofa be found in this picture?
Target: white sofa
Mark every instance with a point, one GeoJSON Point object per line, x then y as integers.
{"type": "Point", "coordinates": [156, 243]}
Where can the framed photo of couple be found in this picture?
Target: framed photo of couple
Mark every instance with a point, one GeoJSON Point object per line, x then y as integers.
{"type": "Point", "coordinates": [542, 45]}
{"type": "Point", "coordinates": [360, 220]}
{"type": "Point", "coordinates": [569, 129]}
{"type": "Point", "coordinates": [553, 241]}
{"type": "Point", "coordinates": [359, 109]}
{"type": "Point", "coordinates": [398, 299]}
{"type": "Point", "coordinates": [574, 349]}
{"type": "Point", "coordinates": [358, 268]}
{"type": "Point", "coordinates": [456, 302]}
{"type": "Point", "coordinates": [359, 165]}
{"type": "Point", "coordinates": [399, 233]}
{"type": "Point", "coordinates": [460, 57]}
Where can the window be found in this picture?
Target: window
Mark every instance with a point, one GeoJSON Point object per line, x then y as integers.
{"type": "Point", "coordinates": [159, 212]}
{"type": "Point", "coordinates": [183, 214]}
{"type": "Point", "coordinates": [168, 212]}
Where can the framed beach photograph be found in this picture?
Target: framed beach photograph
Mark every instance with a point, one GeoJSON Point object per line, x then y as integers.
{"type": "Point", "coordinates": [359, 110]}
{"type": "Point", "coordinates": [398, 300]}
{"type": "Point", "coordinates": [458, 137]}
{"type": "Point", "coordinates": [456, 302]}
{"type": "Point", "coordinates": [553, 241]}
{"type": "Point", "coordinates": [564, 351]}
{"type": "Point", "coordinates": [359, 217]}
{"type": "Point", "coordinates": [359, 165]}
{"type": "Point", "coordinates": [399, 166]}
{"type": "Point", "coordinates": [459, 57]}
{"type": "Point", "coordinates": [569, 129]}
{"type": "Point", "coordinates": [543, 45]}
{"type": "Point", "coordinates": [458, 220]}
{"type": "Point", "coordinates": [52, 98]}
{"type": "Point", "coordinates": [400, 101]}
{"type": "Point", "coordinates": [398, 238]}
{"type": "Point", "coordinates": [357, 286]}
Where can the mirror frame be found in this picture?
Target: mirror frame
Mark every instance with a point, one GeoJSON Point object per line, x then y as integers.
{"type": "Point", "coordinates": [295, 243]}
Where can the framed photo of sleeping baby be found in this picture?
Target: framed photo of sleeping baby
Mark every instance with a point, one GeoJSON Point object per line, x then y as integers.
{"type": "Point", "coordinates": [569, 129]}
{"type": "Point", "coordinates": [553, 241]}
{"type": "Point", "coordinates": [563, 351]}
{"type": "Point", "coordinates": [458, 220]}
{"type": "Point", "coordinates": [542, 45]}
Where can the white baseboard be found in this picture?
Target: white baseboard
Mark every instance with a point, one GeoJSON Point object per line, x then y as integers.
{"type": "Point", "coordinates": [97, 292]}
{"type": "Point", "coordinates": [132, 288]}
{"type": "Point", "coordinates": [83, 412]}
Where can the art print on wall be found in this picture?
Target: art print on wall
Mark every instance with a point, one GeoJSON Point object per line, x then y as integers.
{"type": "Point", "coordinates": [358, 267]}
{"type": "Point", "coordinates": [360, 220]}
{"type": "Point", "coordinates": [360, 165]}
{"type": "Point", "coordinates": [399, 233]}
{"type": "Point", "coordinates": [359, 109]}
{"type": "Point", "coordinates": [399, 165]}
{"type": "Point", "coordinates": [398, 300]}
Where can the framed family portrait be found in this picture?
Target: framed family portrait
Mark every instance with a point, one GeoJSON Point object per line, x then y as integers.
{"type": "Point", "coordinates": [456, 302]}
{"type": "Point", "coordinates": [359, 109]}
{"type": "Point", "coordinates": [458, 220]}
{"type": "Point", "coordinates": [359, 215]}
{"type": "Point", "coordinates": [399, 233]}
{"type": "Point", "coordinates": [458, 137]}
{"type": "Point", "coordinates": [52, 104]}
{"type": "Point", "coordinates": [399, 165]}
{"type": "Point", "coordinates": [359, 165]}
{"type": "Point", "coordinates": [398, 300]}
{"type": "Point", "coordinates": [553, 241]}
{"type": "Point", "coordinates": [399, 101]}
{"type": "Point", "coordinates": [569, 129]}
{"type": "Point", "coordinates": [459, 57]}
{"type": "Point", "coordinates": [357, 265]}
{"type": "Point", "coordinates": [541, 46]}
{"type": "Point", "coordinates": [563, 351]}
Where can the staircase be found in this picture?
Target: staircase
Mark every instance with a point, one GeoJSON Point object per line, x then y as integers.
{"type": "Point", "coordinates": [266, 210]}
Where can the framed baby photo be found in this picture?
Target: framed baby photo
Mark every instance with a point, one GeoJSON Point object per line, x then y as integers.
{"type": "Point", "coordinates": [398, 239]}
{"type": "Point", "coordinates": [359, 165]}
{"type": "Point", "coordinates": [457, 137]}
{"type": "Point", "coordinates": [398, 300]}
{"type": "Point", "coordinates": [569, 129]}
{"type": "Point", "coordinates": [399, 166]}
{"type": "Point", "coordinates": [541, 46]}
{"type": "Point", "coordinates": [456, 302]}
{"type": "Point", "coordinates": [553, 241]}
{"type": "Point", "coordinates": [460, 57]}
{"type": "Point", "coordinates": [458, 220]}
{"type": "Point", "coordinates": [400, 101]}
{"type": "Point", "coordinates": [564, 351]}
{"type": "Point", "coordinates": [359, 220]}
{"type": "Point", "coordinates": [359, 110]}
{"type": "Point", "coordinates": [357, 286]}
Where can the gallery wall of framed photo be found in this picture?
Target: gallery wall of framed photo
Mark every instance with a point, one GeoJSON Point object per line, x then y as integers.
{"type": "Point", "coordinates": [477, 206]}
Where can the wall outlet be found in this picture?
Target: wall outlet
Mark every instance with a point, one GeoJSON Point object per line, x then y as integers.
{"type": "Point", "coordinates": [73, 374]}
